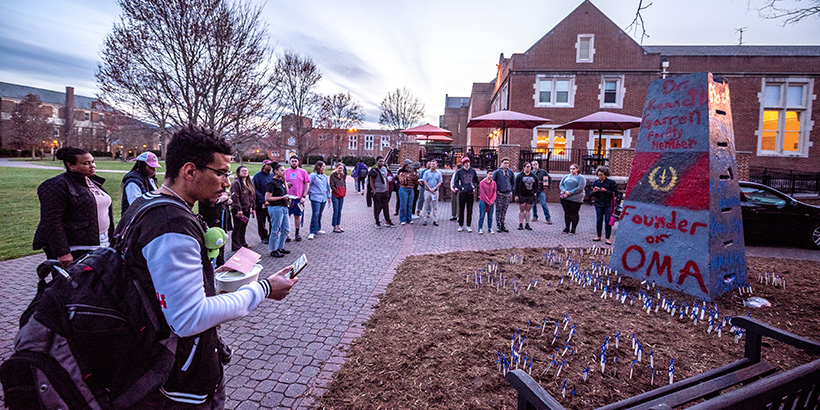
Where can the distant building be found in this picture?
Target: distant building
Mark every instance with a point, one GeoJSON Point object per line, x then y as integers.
{"type": "Point", "coordinates": [331, 142]}
{"type": "Point", "coordinates": [586, 63]}
{"type": "Point", "coordinates": [86, 120]}
{"type": "Point", "coordinates": [456, 110]}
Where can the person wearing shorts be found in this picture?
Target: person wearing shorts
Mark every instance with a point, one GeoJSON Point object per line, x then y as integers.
{"type": "Point", "coordinates": [299, 182]}
{"type": "Point", "coordinates": [525, 192]}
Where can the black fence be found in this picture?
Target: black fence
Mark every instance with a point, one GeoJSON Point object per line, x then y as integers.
{"type": "Point", "coordinates": [787, 181]}
{"type": "Point", "coordinates": [447, 156]}
{"type": "Point", "coordinates": [559, 160]}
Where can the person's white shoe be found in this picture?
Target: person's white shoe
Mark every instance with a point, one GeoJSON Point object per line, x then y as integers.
{"type": "Point", "coordinates": [480, 232]}
{"type": "Point", "coordinates": [491, 230]}
{"type": "Point", "coordinates": [322, 232]}
{"type": "Point", "coordinates": [416, 216]}
{"type": "Point", "coordinates": [403, 223]}
{"type": "Point", "coordinates": [311, 236]}
{"type": "Point", "coordinates": [460, 228]}
{"type": "Point", "coordinates": [469, 229]}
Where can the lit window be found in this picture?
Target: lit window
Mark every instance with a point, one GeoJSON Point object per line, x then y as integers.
{"type": "Point", "coordinates": [785, 110]}
{"type": "Point", "coordinates": [585, 48]}
{"type": "Point", "coordinates": [555, 91]}
{"type": "Point", "coordinates": [555, 140]}
{"type": "Point", "coordinates": [353, 142]}
{"type": "Point", "coordinates": [612, 92]}
{"type": "Point", "coordinates": [368, 143]}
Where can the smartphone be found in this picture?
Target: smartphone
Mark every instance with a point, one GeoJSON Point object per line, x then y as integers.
{"type": "Point", "coordinates": [298, 266]}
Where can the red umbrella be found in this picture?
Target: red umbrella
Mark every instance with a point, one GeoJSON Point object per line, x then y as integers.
{"type": "Point", "coordinates": [507, 119]}
{"type": "Point", "coordinates": [437, 134]}
{"type": "Point", "coordinates": [603, 120]}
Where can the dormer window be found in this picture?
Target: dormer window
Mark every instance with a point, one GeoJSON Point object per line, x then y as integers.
{"type": "Point", "coordinates": [585, 48]}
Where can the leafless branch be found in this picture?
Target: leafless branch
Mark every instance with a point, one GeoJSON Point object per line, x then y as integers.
{"type": "Point", "coordinates": [787, 13]}
{"type": "Point", "coordinates": [638, 23]}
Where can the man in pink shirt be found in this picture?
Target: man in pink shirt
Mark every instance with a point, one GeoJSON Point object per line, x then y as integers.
{"type": "Point", "coordinates": [299, 182]}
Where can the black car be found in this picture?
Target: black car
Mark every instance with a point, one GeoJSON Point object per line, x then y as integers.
{"type": "Point", "coordinates": [769, 214]}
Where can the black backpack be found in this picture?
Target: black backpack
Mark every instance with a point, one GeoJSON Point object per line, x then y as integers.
{"type": "Point", "coordinates": [91, 338]}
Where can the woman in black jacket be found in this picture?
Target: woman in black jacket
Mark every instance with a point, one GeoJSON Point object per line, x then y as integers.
{"type": "Point", "coordinates": [526, 185]}
{"type": "Point", "coordinates": [604, 190]}
{"type": "Point", "coordinates": [76, 215]}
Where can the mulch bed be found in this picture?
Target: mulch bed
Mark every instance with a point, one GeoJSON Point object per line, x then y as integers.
{"type": "Point", "coordinates": [435, 338]}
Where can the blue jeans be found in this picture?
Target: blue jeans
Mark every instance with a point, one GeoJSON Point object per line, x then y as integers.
{"type": "Point", "coordinates": [602, 220]}
{"type": "Point", "coordinates": [316, 208]}
{"type": "Point", "coordinates": [542, 199]}
{"type": "Point", "coordinates": [337, 210]}
{"type": "Point", "coordinates": [279, 227]}
{"type": "Point", "coordinates": [484, 209]}
{"type": "Point", "coordinates": [405, 204]}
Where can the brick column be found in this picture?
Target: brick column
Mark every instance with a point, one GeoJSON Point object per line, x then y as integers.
{"type": "Point", "coordinates": [621, 161]}
{"type": "Point", "coordinates": [511, 151]}
{"type": "Point", "coordinates": [409, 150]}
{"type": "Point", "coordinates": [742, 171]}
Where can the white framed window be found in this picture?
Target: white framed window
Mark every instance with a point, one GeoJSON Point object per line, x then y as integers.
{"type": "Point", "coordinates": [87, 115]}
{"type": "Point", "coordinates": [612, 92]}
{"type": "Point", "coordinates": [353, 142]}
{"type": "Point", "coordinates": [548, 138]}
{"type": "Point", "coordinates": [368, 143]}
{"type": "Point", "coordinates": [554, 91]}
{"type": "Point", "coordinates": [585, 48]}
{"type": "Point", "coordinates": [785, 117]}
{"type": "Point", "coordinates": [385, 141]}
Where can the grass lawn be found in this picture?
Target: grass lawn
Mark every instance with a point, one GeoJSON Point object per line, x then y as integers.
{"type": "Point", "coordinates": [21, 208]}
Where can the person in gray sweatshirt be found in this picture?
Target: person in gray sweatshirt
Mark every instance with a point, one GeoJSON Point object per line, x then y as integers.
{"type": "Point", "coordinates": [572, 196]}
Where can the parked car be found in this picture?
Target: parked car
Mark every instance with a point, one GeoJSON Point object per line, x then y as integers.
{"type": "Point", "coordinates": [769, 214]}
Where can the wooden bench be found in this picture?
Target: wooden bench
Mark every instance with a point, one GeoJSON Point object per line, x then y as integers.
{"type": "Point", "coordinates": [761, 386]}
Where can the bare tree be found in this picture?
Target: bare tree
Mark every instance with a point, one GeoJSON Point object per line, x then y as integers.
{"type": "Point", "coordinates": [178, 62]}
{"type": "Point", "coordinates": [638, 23]}
{"type": "Point", "coordinates": [788, 13]}
{"type": "Point", "coordinates": [299, 78]}
{"type": "Point", "coordinates": [126, 132]}
{"type": "Point", "coordinates": [339, 113]}
{"type": "Point", "coordinates": [30, 123]}
{"type": "Point", "coordinates": [400, 110]}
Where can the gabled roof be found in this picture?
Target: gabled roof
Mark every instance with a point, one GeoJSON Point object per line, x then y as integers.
{"type": "Point", "coordinates": [19, 92]}
{"type": "Point", "coordinates": [778, 51]}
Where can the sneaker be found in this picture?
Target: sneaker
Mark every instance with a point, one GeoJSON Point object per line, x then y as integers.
{"type": "Point", "coordinates": [460, 228]}
{"type": "Point", "coordinates": [469, 229]}
{"type": "Point", "coordinates": [549, 221]}
{"type": "Point", "coordinates": [480, 232]}
{"type": "Point", "coordinates": [490, 230]}
{"type": "Point", "coordinates": [284, 252]}
{"type": "Point", "coordinates": [424, 223]}
{"type": "Point", "coordinates": [527, 227]}
{"type": "Point", "coordinates": [435, 223]}
{"type": "Point", "coordinates": [322, 232]}
{"type": "Point", "coordinates": [535, 219]}
{"type": "Point", "coordinates": [287, 240]}
{"type": "Point", "coordinates": [389, 225]}
{"type": "Point", "coordinates": [565, 231]}
{"type": "Point", "coordinates": [454, 218]}
{"type": "Point", "coordinates": [298, 238]}
{"type": "Point", "coordinates": [378, 225]}
{"type": "Point", "coordinates": [411, 222]}
{"type": "Point", "coordinates": [416, 216]}
{"type": "Point", "coordinates": [403, 223]}
{"type": "Point", "coordinates": [572, 233]}
{"type": "Point", "coordinates": [276, 254]}
{"type": "Point", "coordinates": [311, 236]}
{"type": "Point", "coordinates": [265, 241]}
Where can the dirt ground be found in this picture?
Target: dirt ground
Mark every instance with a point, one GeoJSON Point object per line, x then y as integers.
{"type": "Point", "coordinates": [436, 337]}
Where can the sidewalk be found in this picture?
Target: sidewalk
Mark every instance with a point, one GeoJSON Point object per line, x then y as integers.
{"type": "Point", "coordinates": [286, 352]}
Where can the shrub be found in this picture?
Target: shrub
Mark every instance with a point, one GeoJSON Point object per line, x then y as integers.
{"type": "Point", "coordinates": [369, 161]}
{"type": "Point", "coordinates": [311, 159]}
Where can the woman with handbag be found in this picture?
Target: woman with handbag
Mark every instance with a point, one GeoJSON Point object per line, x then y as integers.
{"type": "Point", "coordinates": [243, 196]}
{"type": "Point", "coordinates": [338, 190]}
{"type": "Point", "coordinates": [604, 192]}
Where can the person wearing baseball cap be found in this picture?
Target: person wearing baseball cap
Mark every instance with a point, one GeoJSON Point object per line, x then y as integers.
{"type": "Point", "coordinates": [141, 179]}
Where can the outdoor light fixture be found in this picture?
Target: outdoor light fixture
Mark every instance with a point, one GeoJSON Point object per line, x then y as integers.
{"type": "Point", "coordinates": [664, 66]}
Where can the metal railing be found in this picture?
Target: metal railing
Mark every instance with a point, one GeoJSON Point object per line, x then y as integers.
{"type": "Point", "coordinates": [448, 156]}
{"type": "Point", "coordinates": [558, 160]}
{"type": "Point", "coordinates": [786, 180]}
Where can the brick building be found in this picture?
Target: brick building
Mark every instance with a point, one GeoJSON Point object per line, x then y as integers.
{"type": "Point", "coordinates": [586, 63]}
{"type": "Point", "coordinates": [84, 118]}
{"type": "Point", "coordinates": [332, 142]}
{"type": "Point", "coordinates": [455, 118]}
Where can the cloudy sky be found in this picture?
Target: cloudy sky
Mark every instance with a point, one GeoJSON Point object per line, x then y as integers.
{"type": "Point", "coordinates": [370, 47]}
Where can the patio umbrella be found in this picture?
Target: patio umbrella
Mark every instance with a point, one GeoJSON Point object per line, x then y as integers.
{"type": "Point", "coordinates": [507, 119]}
{"type": "Point", "coordinates": [603, 120]}
{"type": "Point", "coordinates": [430, 132]}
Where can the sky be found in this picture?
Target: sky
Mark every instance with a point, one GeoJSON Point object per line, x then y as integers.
{"type": "Point", "coordinates": [371, 47]}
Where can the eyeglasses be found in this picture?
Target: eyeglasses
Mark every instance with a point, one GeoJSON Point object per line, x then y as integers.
{"type": "Point", "coordinates": [220, 173]}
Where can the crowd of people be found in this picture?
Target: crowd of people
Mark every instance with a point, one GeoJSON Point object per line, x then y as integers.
{"type": "Point", "coordinates": [76, 216]}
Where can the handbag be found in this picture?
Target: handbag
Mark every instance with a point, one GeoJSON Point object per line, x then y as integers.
{"type": "Point", "coordinates": [614, 213]}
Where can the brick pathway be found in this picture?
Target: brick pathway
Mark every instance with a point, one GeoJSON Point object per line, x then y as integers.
{"type": "Point", "coordinates": [286, 352]}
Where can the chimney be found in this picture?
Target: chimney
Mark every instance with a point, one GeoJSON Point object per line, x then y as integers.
{"type": "Point", "coordinates": [68, 130]}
